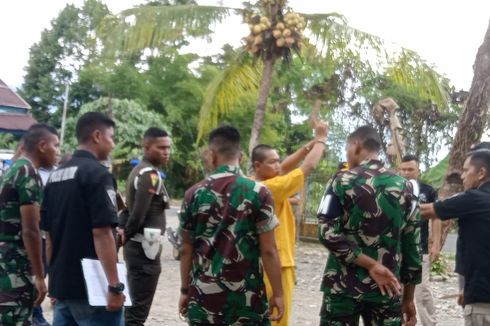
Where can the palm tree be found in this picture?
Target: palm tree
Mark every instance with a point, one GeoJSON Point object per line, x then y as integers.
{"type": "Point", "coordinates": [276, 34]}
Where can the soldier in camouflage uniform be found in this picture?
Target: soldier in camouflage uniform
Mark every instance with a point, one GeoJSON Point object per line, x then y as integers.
{"type": "Point", "coordinates": [369, 221]}
{"type": "Point", "coordinates": [20, 238]}
{"type": "Point", "coordinates": [226, 224]}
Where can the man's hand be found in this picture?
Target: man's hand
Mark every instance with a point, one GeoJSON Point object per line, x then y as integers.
{"type": "Point", "coordinates": [461, 298]}
{"type": "Point", "coordinates": [434, 252]}
{"type": "Point", "coordinates": [387, 282]}
{"type": "Point", "coordinates": [121, 237]}
{"type": "Point", "coordinates": [276, 302]}
{"type": "Point", "coordinates": [409, 315]}
{"type": "Point", "coordinates": [41, 290]}
{"type": "Point", "coordinates": [183, 304]}
{"type": "Point", "coordinates": [321, 129]}
{"type": "Point", "coordinates": [115, 301]}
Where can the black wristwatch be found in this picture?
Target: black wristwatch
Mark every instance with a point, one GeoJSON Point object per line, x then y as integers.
{"type": "Point", "coordinates": [117, 289]}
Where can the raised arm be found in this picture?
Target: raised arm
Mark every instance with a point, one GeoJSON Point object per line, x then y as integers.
{"type": "Point", "coordinates": [310, 154]}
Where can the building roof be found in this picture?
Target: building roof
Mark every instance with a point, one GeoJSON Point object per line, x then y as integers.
{"type": "Point", "coordinates": [9, 98]}
{"type": "Point", "coordinates": [15, 122]}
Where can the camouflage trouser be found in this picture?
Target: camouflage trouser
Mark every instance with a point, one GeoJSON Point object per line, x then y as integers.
{"type": "Point", "coordinates": [339, 310]}
{"type": "Point", "coordinates": [16, 288]}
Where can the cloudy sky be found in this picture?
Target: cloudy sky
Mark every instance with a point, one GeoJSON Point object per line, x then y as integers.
{"type": "Point", "coordinates": [445, 33]}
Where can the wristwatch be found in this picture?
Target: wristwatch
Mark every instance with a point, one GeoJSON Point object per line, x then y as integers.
{"type": "Point", "coordinates": [116, 289]}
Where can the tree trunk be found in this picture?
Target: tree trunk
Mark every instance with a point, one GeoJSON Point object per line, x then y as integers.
{"type": "Point", "coordinates": [471, 125]}
{"type": "Point", "coordinates": [265, 86]}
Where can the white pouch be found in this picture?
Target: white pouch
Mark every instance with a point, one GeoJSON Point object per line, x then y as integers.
{"type": "Point", "coordinates": [151, 242]}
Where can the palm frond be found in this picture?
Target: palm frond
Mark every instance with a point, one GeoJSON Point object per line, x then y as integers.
{"type": "Point", "coordinates": [150, 26]}
{"type": "Point", "coordinates": [334, 39]}
{"type": "Point", "coordinates": [329, 32]}
{"type": "Point", "coordinates": [226, 91]}
{"type": "Point", "coordinates": [409, 71]}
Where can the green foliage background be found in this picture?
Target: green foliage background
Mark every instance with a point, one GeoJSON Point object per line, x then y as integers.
{"type": "Point", "coordinates": [161, 86]}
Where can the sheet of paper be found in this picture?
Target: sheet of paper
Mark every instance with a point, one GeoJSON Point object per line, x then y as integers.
{"type": "Point", "coordinates": [96, 282]}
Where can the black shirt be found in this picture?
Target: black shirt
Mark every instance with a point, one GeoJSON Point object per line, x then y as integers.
{"type": "Point", "coordinates": [79, 196]}
{"type": "Point", "coordinates": [472, 207]}
{"type": "Point", "coordinates": [427, 195]}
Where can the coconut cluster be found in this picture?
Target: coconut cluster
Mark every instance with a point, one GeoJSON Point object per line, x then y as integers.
{"type": "Point", "coordinates": [287, 32]}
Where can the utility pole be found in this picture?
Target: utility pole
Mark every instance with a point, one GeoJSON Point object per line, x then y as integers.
{"type": "Point", "coordinates": [63, 118]}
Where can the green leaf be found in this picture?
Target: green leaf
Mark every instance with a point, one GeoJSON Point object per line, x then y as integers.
{"type": "Point", "coordinates": [226, 91]}
{"type": "Point", "coordinates": [151, 26]}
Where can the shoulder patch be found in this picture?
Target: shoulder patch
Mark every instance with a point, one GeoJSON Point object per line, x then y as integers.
{"type": "Point", "coordinates": [112, 196]}
{"type": "Point", "coordinates": [154, 179]}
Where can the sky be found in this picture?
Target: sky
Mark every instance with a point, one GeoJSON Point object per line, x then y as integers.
{"type": "Point", "coordinates": [446, 33]}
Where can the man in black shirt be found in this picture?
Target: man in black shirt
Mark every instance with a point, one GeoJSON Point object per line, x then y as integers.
{"type": "Point", "coordinates": [78, 214]}
{"type": "Point", "coordinates": [409, 168]}
{"type": "Point", "coordinates": [472, 208]}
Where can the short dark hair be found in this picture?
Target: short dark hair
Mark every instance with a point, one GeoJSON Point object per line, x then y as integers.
{"type": "Point", "coordinates": [368, 137]}
{"type": "Point", "coordinates": [258, 153]}
{"type": "Point", "coordinates": [481, 159]}
{"type": "Point", "coordinates": [411, 157]}
{"type": "Point", "coordinates": [35, 133]}
{"type": "Point", "coordinates": [89, 122]}
{"type": "Point", "coordinates": [483, 146]}
{"type": "Point", "coordinates": [226, 141]}
{"type": "Point", "coordinates": [154, 132]}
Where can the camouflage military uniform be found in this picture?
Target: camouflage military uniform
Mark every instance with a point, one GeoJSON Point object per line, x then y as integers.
{"type": "Point", "coordinates": [21, 185]}
{"type": "Point", "coordinates": [222, 216]}
{"type": "Point", "coordinates": [367, 210]}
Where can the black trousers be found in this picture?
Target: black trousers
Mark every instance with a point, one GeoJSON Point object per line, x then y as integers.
{"type": "Point", "coordinates": [143, 276]}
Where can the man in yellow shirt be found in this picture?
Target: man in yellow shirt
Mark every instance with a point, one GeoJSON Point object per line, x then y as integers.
{"type": "Point", "coordinates": [284, 179]}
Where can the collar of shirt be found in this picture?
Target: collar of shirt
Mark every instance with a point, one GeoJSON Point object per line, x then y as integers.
{"type": "Point", "coordinates": [23, 158]}
{"type": "Point", "coordinates": [83, 153]}
{"type": "Point", "coordinates": [225, 171]}
{"type": "Point", "coordinates": [372, 164]}
{"type": "Point", "coordinates": [485, 187]}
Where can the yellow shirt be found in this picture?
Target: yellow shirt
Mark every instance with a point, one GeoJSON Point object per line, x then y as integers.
{"type": "Point", "coordinates": [282, 187]}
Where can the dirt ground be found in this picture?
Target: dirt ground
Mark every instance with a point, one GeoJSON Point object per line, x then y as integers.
{"type": "Point", "coordinates": [310, 261]}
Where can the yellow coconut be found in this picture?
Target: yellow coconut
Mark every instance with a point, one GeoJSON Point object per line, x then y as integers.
{"type": "Point", "coordinates": [286, 32]}
{"type": "Point", "coordinates": [276, 33]}
{"type": "Point", "coordinates": [280, 42]}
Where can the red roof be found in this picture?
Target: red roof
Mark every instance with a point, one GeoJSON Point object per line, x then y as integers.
{"type": "Point", "coordinates": [9, 98]}
{"type": "Point", "coordinates": [10, 121]}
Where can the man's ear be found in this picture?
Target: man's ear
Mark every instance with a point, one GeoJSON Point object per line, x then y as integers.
{"type": "Point", "coordinates": [357, 147]}
{"type": "Point", "coordinates": [41, 145]}
{"type": "Point", "coordinates": [146, 145]}
{"type": "Point", "coordinates": [483, 173]}
{"type": "Point", "coordinates": [96, 136]}
{"type": "Point", "coordinates": [213, 158]}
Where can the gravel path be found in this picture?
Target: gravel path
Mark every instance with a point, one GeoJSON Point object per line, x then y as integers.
{"type": "Point", "coordinates": [310, 261]}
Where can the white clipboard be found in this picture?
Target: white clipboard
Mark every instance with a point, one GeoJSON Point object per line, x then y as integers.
{"type": "Point", "coordinates": [96, 282]}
